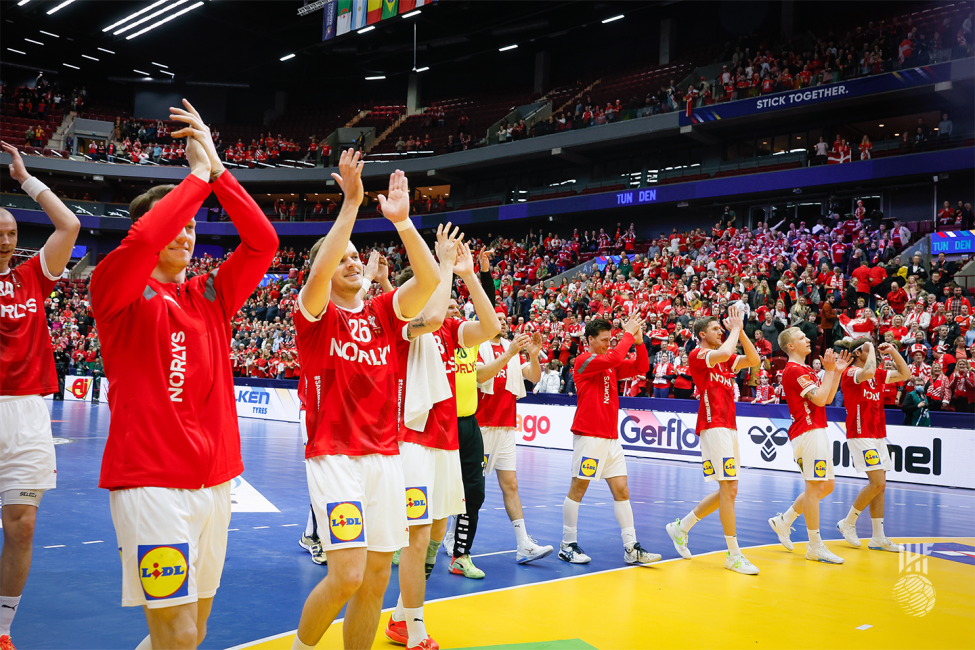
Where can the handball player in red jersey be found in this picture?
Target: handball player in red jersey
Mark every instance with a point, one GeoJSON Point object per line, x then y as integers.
{"type": "Point", "coordinates": [596, 449]}
{"type": "Point", "coordinates": [714, 366]}
{"type": "Point", "coordinates": [866, 435]}
{"type": "Point", "coordinates": [173, 444]}
{"type": "Point", "coordinates": [27, 464]}
{"type": "Point", "coordinates": [353, 395]}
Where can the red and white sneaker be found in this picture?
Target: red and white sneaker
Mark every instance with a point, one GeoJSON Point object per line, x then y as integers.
{"type": "Point", "coordinates": [426, 644]}
{"type": "Point", "coordinates": [396, 631]}
{"type": "Point", "coordinates": [7, 644]}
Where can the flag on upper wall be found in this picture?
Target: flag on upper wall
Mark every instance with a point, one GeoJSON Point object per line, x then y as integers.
{"type": "Point", "coordinates": [358, 14]}
{"type": "Point", "coordinates": [389, 8]}
{"type": "Point", "coordinates": [375, 11]}
{"type": "Point", "coordinates": [344, 17]}
{"type": "Point", "coordinates": [406, 6]}
{"type": "Point", "coordinates": [328, 20]}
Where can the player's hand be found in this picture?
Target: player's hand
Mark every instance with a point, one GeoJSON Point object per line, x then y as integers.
{"type": "Point", "coordinates": [484, 258]}
{"type": "Point", "coordinates": [535, 345]}
{"type": "Point", "coordinates": [828, 360]}
{"type": "Point", "coordinates": [518, 344]}
{"type": "Point", "coordinates": [383, 267]}
{"type": "Point", "coordinates": [18, 171]}
{"type": "Point", "coordinates": [734, 319]}
{"type": "Point", "coordinates": [349, 177]}
{"type": "Point", "coordinates": [371, 272]}
{"type": "Point", "coordinates": [395, 206]}
{"type": "Point", "coordinates": [886, 348]}
{"type": "Point", "coordinates": [843, 360]}
{"type": "Point", "coordinates": [634, 325]}
{"type": "Point", "coordinates": [197, 130]}
{"type": "Point", "coordinates": [464, 267]}
{"type": "Point", "coordinates": [198, 160]}
{"type": "Point", "coordinates": [446, 246]}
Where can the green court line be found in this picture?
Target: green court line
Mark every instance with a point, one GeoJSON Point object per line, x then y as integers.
{"type": "Point", "coordinates": [565, 644]}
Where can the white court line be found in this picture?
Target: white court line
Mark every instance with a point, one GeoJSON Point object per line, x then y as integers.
{"type": "Point", "coordinates": [495, 553]}
{"type": "Point", "coordinates": [251, 644]}
{"type": "Point", "coordinates": [863, 627]}
{"type": "Point", "coordinates": [230, 530]}
{"type": "Point", "coordinates": [541, 506]}
{"type": "Point", "coordinates": [55, 546]}
{"type": "Point", "coordinates": [97, 541]}
{"type": "Point", "coordinates": [259, 527]}
{"type": "Point", "coordinates": [287, 525]}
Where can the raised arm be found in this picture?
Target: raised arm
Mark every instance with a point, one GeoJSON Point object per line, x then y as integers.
{"type": "Point", "coordinates": [487, 325]}
{"type": "Point", "coordinates": [903, 370]}
{"type": "Point", "coordinates": [434, 312]}
{"type": "Point", "coordinates": [752, 357]}
{"type": "Point", "coordinates": [734, 324]}
{"type": "Point", "coordinates": [488, 370]}
{"type": "Point", "coordinates": [534, 370]}
{"type": "Point", "coordinates": [57, 249]}
{"type": "Point", "coordinates": [415, 293]}
{"type": "Point", "coordinates": [869, 367]}
{"type": "Point", "coordinates": [834, 365]}
{"type": "Point", "coordinates": [487, 281]}
{"type": "Point", "coordinates": [314, 295]}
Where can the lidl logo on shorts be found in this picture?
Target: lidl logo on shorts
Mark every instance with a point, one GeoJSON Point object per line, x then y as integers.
{"type": "Point", "coordinates": [819, 469]}
{"type": "Point", "coordinates": [345, 522]}
{"type": "Point", "coordinates": [164, 570]}
{"type": "Point", "coordinates": [729, 467]}
{"type": "Point", "coordinates": [487, 457]}
{"type": "Point", "coordinates": [708, 468]}
{"type": "Point", "coordinates": [416, 503]}
{"type": "Point", "coordinates": [799, 460]}
{"type": "Point", "coordinates": [871, 458]}
{"type": "Point", "coordinates": [588, 466]}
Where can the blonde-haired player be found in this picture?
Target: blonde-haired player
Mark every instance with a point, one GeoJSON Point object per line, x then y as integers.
{"type": "Point", "coordinates": [807, 400]}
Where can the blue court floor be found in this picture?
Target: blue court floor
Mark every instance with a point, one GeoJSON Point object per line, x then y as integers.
{"type": "Point", "coordinates": [73, 595]}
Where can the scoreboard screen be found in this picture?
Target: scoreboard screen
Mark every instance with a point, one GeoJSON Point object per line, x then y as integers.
{"type": "Point", "coordinates": [344, 16]}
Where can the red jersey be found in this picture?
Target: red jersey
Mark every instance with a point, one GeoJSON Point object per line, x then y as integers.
{"type": "Point", "coordinates": [166, 345]}
{"type": "Point", "coordinates": [716, 385]}
{"type": "Point", "coordinates": [797, 380]}
{"type": "Point", "coordinates": [440, 431]}
{"type": "Point", "coordinates": [352, 387]}
{"type": "Point", "coordinates": [864, 404]}
{"type": "Point", "coordinates": [596, 377]}
{"type": "Point", "coordinates": [499, 409]}
{"type": "Point", "coordinates": [26, 357]}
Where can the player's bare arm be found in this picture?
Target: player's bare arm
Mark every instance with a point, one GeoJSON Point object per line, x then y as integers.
{"type": "Point", "coordinates": [870, 365]}
{"type": "Point", "coordinates": [57, 249]}
{"type": "Point", "coordinates": [734, 324]}
{"type": "Point", "coordinates": [534, 348]}
{"type": "Point", "coordinates": [487, 325]}
{"type": "Point", "coordinates": [487, 371]}
{"type": "Point", "coordinates": [903, 370]}
{"type": "Point", "coordinates": [395, 206]}
{"type": "Point", "coordinates": [197, 130]}
{"type": "Point", "coordinates": [433, 314]}
{"type": "Point", "coordinates": [316, 292]}
{"type": "Point", "coordinates": [369, 272]}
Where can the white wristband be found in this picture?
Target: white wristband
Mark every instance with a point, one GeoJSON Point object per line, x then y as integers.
{"type": "Point", "coordinates": [34, 187]}
{"type": "Point", "coordinates": [404, 225]}
{"type": "Point", "coordinates": [366, 283]}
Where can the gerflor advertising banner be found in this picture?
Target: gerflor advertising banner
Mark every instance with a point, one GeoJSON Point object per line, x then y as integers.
{"type": "Point", "coordinates": [928, 456]}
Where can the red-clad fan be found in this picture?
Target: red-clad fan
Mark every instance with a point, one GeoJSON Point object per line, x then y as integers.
{"type": "Point", "coordinates": [353, 395]}
{"type": "Point", "coordinates": [596, 449]}
{"type": "Point", "coordinates": [961, 387]}
{"type": "Point", "coordinates": [714, 365]}
{"type": "Point", "coordinates": [866, 435]}
{"type": "Point", "coordinates": [807, 400]}
{"type": "Point", "coordinates": [27, 462]}
{"type": "Point", "coordinates": [166, 343]}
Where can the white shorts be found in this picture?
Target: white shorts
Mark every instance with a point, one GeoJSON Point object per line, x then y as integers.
{"type": "Point", "coordinates": [595, 458]}
{"type": "Point", "coordinates": [811, 451]}
{"type": "Point", "coordinates": [434, 483]}
{"type": "Point", "coordinates": [499, 449]}
{"type": "Point", "coordinates": [360, 500]}
{"type": "Point", "coordinates": [869, 454]}
{"type": "Point", "coordinates": [172, 542]}
{"type": "Point", "coordinates": [719, 454]}
{"type": "Point", "coordinates": [27, 459]}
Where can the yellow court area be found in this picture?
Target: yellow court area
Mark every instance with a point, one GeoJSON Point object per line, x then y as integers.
{"type": "Point", "coordinates": [868, 602]}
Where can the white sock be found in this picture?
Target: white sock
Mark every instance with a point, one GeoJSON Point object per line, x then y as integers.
{"type": "Point", "coordinates": [298, 645]}
{"type": "Point", "coordinates": [398, 613]}
{"type": "Point", "coordinates": [814, 538]}
{"type": "Point", "coordinates": [878, 527]}
{"type": "Point", "coordinates": [624, 516]}
{"type": "Point", "coordinates": [688, 522]}
{"type": "Point", "coordinates": [570, 520]}
{"type": "Point", "coordinates": [521, 535]}
{"type": "Point", "coordinates": [851, 517]}
{"type": "Point", "coordinates": [732, 541]}
{"type": "Point", "coordinates": [790, 515]}
{"type": "Point", "coordinates": [310, 526]}
{"type": "Point", "coordinates": [8, 608]}
{"type": "Point", "coordinates": [146, 644]}
{"type": "Point", "coordinates": [415, 626]}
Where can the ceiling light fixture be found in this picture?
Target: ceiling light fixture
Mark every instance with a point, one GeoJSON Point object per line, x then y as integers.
{"type": "Point", "coordinates": [21, 4]}
{"type": "Point", "coordinates": [164, 20]}
{"type": "Point", "coordinates": [287, 56]}
{"type": "Point", "coordinates": [71, 66]}
{"type": "Point", "coordinates": [411, 14]}
{"type": "Point", "coordinates": [17, 51]}
{"type": "Point", "coordinates": [149, 17]}
{"type": "Point", "coordinates": [136, 14]}
{"type": "Point", "coordinates": [880, 125]}
{"type": "Point", "coordinates": [171, 74]}
{"type": "Point", "coordinates": [366, 29]}
{"type": "Point", "coordinates": [423, 69]}
{"type": "Point", "coordinates": [30, 40]}
{"type": "Point", "coordinates": [509, 47]}
{"type": "Point", "coordinates": [85, 56]}
{"type": "Point", "coordinates": [159, 64]}
{"type": "Point", "coordinates": [104, 50]}
{"type": "Point", "coordinates": [141, 72]}
{"type": "Point", "coordinates": [48, 33]}
{"type": "Point", "coordinates": [376, 78]}
{"type": "Point", "coordinates": [614, 18]}
{"type": "Point", "coordinates": [60, 7]}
